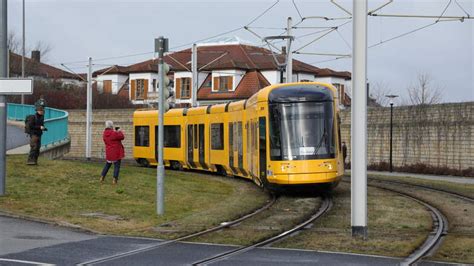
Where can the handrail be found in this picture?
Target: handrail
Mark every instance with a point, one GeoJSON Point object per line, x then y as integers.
{"type": "Point", "coordinates": [55, 120]}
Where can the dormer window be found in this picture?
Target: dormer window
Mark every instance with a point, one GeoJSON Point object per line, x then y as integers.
{"type": "Point", "coordinates": [223, 84]}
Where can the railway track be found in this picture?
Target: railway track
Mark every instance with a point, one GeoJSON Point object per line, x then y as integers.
{"type": "Point", "coordinates": [432, 242]}
{"type": "Point", "coordinates": [439, 220]}
{"type": "Point", "coordinates": [451, 193]}
{"type": "Point", "coordinates": [325, 207]}
{"type": "Point", "coordinates": [186, 237]}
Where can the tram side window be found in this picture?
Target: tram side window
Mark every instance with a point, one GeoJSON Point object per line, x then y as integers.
{"type": "Point", "coordinates": [142, 136]}
{"type": "Point", "coordinates": [217, 136]}
{"type": "Point", "coordinates": [172, 136]}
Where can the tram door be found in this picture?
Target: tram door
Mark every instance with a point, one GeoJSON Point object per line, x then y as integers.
{"type": "Point", "coordinates": [190, 146]}
{"type": "Point", "coordinates": [253, 148]}
{"type": "Point", "coordinates": [196, 146]}
{"type": "Point", "coordinates": [236, 152]}
{"type": "Point", "coordinates": [262, 130]}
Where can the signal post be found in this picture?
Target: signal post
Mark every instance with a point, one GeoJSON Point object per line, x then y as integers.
{"type": "Point", "coordinates": [161, 46]}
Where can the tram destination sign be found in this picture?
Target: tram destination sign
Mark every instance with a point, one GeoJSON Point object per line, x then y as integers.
{"type": "Point", "coordinates": [12, 86]}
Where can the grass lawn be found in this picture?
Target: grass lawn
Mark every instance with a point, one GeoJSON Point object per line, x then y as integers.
{"type": "Point", "coordinates": [396, 226]}
{"type": "Point", "coordinates": [69, 191]}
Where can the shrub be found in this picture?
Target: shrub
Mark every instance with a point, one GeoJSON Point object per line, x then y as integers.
{"type": "Point", "coordinates": [420, 168]}
{"type": "Point", "coordinates": [66, 96]}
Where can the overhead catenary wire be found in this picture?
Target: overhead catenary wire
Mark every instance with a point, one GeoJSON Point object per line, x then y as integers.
{"type": "Point", "coordinates": [344, 40]}
{"type": "Point", "coordinates": [340, 7]}
{"type": "Point", "coordinates": [322, 36]}
{"type": "Point", "coordinates": [263, 13]}
{"type": "Point", "coordinates": [444, 11]}
{"type": "Point", "coordinates": [459, 5]}
{"type": "Point", "coordinates": [297, 10]}
{"type": "Point", "coordinates": [380, 7]}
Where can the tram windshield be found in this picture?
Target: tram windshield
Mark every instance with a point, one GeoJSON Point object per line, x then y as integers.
{"type": "Point", "coordinates": [301, 131]}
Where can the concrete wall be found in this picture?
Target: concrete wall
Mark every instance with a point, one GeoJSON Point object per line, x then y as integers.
{"type": "Point", "coordinates": [439, 135]}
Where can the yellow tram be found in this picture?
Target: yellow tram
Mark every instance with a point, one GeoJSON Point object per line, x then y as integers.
{"type": "Point", "coordinates": [286, 134]}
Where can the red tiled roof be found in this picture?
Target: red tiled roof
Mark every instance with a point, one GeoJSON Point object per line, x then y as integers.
{"type": "Point", "coordinates": [236, 56]}
{"type": "Point", "coordinates": [38, 69]}
{"type": "Point", "coordinates": [326, 72]}
{"type": "Point", "coordinates": [250, 84]}
{"type": "Point", "coordinates": [115, 69]}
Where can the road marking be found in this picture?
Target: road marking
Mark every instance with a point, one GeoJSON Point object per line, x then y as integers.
{"type": "Point", "coordinates": [26, 262]}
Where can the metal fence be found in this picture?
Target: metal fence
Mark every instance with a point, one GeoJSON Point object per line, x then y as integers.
{"type": "Point", "coordinates": [55, 120]}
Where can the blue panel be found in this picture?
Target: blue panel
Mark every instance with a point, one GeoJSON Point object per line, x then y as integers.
{"type": "Point", "coordinates": [55, 120]}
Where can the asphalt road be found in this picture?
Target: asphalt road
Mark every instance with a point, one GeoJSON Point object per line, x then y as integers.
{"type": "Point", "coordinates": [16, 137]}
{"type": "Point", "coordinates": [24, 242]}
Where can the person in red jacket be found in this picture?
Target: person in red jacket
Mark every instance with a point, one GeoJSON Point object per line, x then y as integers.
{"type": "Point", "coordinates": [114, 151]}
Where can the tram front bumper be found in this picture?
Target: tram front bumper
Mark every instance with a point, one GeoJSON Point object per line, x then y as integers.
{"type": "Point", "coordinates": [304, 178]}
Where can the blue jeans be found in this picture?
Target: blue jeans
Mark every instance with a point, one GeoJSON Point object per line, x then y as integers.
{"type": "Point", "coordinates": [116, 168]}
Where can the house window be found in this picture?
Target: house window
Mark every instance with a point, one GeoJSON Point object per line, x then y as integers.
{"type": "Point", "coordinates": [223, 83]}
{"type": "Point", "coordinates": [185, 88]}
{"type": "Point", "coordinates": [140, 90]}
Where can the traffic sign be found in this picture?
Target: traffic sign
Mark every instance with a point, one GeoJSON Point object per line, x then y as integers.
{"type": "Point", "coordinates": [12, 86]}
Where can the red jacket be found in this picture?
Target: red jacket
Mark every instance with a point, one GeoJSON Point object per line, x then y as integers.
{"type": "Point", "coordinates": [113, 144]}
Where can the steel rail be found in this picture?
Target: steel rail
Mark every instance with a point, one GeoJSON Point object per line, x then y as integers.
{"type": "Point", "coordinates": [452, 193]}
{"type": "Point", "coordinates": [325, 207]}
{"type": "Point", "coordinates": [186, 237]}
{"type": "Point", "coordinates": [431, 243]}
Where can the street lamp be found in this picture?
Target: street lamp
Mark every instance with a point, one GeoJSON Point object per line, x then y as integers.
{"type": "Point", "coordinates": [391, 97]}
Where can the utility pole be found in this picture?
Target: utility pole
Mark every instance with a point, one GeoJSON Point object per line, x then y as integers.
{"type": "Point", "coordinates": [89, 112]}
{"type": "Point", "coordinates": [3, 102]}
{"type": "Point", "coordinates": [391, 97]}
{"type": "Point", "coordinates": [289, 54]}
{"type": "Point", "coordinates": [195, 76]}
{"type": "Point", "coordinates": [161, 46]}
{"type": "Point", "coordinates": [359, 121]}
{"type": "Point", "coordinates": [23, 53]}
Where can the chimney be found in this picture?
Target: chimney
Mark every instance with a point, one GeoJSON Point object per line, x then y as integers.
{"type": "Point", "coordinates": [36, 56]}
{"type": "Point", "coordinates": [283, 50]}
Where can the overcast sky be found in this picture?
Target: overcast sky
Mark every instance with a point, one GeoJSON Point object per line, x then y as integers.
{"type": "Point", "coordinates": [101, 29]}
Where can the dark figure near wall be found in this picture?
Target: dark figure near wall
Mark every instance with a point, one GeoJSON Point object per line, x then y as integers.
{"type": "Point", "coordinates": [35, 124]}
{"type": "Point", "coordinates": [114, 151]}
{"type": "Point", "coordinates": [344, 152]}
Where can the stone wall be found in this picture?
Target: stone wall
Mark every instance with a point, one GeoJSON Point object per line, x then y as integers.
{"type": "Point", "coordinates": [122, 118]}
{"type": "Point", "coordinates": [439, 135]}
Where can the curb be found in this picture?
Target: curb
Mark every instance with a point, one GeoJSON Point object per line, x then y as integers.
{"type": "Point", "coordinates": [50, 222]}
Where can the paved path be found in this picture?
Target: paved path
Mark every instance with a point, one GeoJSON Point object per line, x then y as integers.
{"type": "Point", "coordinates": [23, 242]}
{"type": "Point", "coordinates": [16, 137]}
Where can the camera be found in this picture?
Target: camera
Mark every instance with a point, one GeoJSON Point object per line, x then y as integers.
{"type": "Point", "coordinates": [117, 128]}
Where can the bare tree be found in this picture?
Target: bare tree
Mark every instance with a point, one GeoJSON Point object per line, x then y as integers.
{"type": "Point", "coordinates": [13, 44]}
{"type": "Point", "coordinates": [379, 92]}
{"type": "Point", "coordinates": [44, 48]}
{"type": "Point", "coordinates": [424, 92]}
